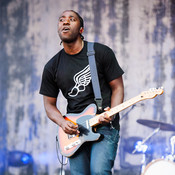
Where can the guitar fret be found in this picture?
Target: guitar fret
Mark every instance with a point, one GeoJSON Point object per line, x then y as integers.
{"type": "Point", "coordinates": [124, 105]}
{"type": "Point", "coordinates": [95, 120]}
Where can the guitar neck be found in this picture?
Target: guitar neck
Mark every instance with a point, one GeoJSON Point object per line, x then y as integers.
{"type": "Point", "coordinates": [95, 120]}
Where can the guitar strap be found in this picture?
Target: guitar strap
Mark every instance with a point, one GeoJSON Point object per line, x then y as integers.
{"type": "Point", "coordinates": [94, 76]}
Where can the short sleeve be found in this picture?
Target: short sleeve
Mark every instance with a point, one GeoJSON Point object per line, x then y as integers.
{"type": "Point", "coordinates": [111, 66]}
{"type": "Point", "coordinates": [48, 84]}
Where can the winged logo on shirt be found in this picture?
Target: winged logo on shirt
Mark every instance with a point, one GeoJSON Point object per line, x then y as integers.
{"type": "Point", "coordinates": [81, 79]}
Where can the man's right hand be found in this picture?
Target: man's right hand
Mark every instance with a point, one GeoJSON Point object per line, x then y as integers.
{"type": "Point", "coordinates": [69, 128]}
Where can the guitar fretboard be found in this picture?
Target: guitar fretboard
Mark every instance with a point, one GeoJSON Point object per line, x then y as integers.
{"type": "Point", "coordinates": [95, 120]}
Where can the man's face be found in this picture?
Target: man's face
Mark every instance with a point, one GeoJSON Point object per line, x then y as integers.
{"type": "Point", "coordinates": [69, 27]}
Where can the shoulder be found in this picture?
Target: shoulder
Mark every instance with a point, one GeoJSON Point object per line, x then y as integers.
{"type": "Point", "coordinates": [53, 62]}
{"type": "Point", "coordinates": [103, 52]}
{"type": "Point", "coordinates": [101, 47]}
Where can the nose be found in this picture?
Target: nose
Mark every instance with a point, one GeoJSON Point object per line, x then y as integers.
{"type": "Point", "coordinates": [66, 21]}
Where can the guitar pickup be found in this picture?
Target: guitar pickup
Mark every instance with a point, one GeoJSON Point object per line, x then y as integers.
{"type": "Point", "coordinates": [71, 136]}
{"type": "Point", "coordinates": [71, 145]}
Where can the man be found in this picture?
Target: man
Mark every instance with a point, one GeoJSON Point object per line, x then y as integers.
{"type": "Point", "coordinates": [68, 71]}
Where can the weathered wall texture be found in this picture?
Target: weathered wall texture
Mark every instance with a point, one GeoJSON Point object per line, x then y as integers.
{"type": "Point", "coordinates": [141, 33]}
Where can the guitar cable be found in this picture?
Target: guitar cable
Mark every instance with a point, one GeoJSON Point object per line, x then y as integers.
{"type": "Point", "coordinates": [60, 161]}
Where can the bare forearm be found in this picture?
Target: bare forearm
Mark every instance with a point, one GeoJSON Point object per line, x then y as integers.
{"type": "Point", "coordinates": [117, 97]}
{"type": "Point", "coordinates": [117, 88]}
{"type": "Point", "coordinates": [54, 114]}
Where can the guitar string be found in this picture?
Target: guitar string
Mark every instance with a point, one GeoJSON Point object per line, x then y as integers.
{"type": "Point", "coordinates": [84, 122]}
{"type": "Point", "coordinates": [129, 101]}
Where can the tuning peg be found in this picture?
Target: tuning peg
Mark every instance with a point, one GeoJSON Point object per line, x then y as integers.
{"type": "Point", "coordinates": [160, 87]}
{"type": "Point", "coordinates": [152, 89]}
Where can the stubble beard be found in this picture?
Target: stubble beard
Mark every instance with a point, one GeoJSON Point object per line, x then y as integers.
{"type": "Point", "coordinates": [69, 39]}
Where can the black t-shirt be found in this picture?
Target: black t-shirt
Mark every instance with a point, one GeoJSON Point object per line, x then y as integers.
{"type": "Point", "coordinates": [71, 75]}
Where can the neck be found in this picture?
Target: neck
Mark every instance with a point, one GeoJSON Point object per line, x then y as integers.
{"type": "Point", "coordinates": [73, 47]}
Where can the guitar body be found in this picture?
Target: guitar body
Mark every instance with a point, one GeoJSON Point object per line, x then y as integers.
{"type": "Point", "coordinates": [69, 144]}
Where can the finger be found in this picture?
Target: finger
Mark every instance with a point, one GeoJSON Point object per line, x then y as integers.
{"type": "Point", "coordinates": [73, 128]}
{"type": "Point", "coordinates": [71, 125]}
{"type": "Point", "coordinates": [104, 120]}
{"type": "Point", "coordinates": [105, 115]}
{"type": "Point", "coordinates": [107, 109]}
{"type": "Point", "coordinates": [71, 131]}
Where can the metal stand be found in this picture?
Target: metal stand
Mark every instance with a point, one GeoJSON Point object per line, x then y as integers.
{"type": "Point", "coordinates": [143, 141]}
{"type": "Point", "coordinates": [171, 157]}
{"type": "Point", "coordinates": [142, 148]}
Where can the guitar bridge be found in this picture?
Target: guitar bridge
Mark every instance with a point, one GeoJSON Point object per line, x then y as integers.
{"type": "Point", "coordinates": [71, 136]}
{"type": "Point", "coordinates": [71, 145]}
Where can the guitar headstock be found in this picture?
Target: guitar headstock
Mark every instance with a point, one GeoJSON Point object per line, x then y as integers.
{"type": "Point", "coordinates": [152, 93]}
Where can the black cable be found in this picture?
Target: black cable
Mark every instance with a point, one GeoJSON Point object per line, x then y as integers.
{"type": "Point", "coordinates": [61, 161]}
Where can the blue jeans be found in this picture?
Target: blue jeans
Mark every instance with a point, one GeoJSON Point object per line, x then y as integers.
{"type": "Point", "coordinates": [96, 158]}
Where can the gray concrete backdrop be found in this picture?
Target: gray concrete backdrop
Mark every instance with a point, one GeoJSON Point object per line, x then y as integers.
{"type": "Point", "coordinates": [142, 35]}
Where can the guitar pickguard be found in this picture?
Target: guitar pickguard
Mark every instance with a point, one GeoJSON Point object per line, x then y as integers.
{"type": "Point", "coordinates": [69, 144]}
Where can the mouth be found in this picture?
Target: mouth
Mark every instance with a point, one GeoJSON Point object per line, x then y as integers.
{"type": "Point", "coordinates": [65, 29]}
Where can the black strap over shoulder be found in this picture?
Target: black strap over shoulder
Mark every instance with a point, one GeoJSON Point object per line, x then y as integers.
{"type": "Point", "coordinates": [94, 75]}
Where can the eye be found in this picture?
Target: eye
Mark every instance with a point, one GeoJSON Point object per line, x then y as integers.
{"type": "Point", "coordinates": [72, 19]}
{"type": "Point", "coordinates": [61, 20]}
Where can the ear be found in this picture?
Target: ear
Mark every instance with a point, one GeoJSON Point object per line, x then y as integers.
{"type": "Point", "coordinates": [81, 30]}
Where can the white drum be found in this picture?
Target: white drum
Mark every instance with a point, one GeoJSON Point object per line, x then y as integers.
{"type": "Point", "coordinates": [160, 167]}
